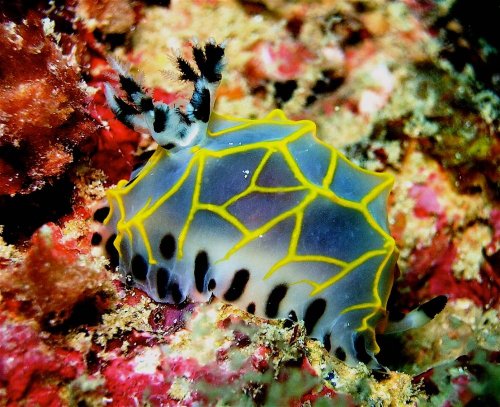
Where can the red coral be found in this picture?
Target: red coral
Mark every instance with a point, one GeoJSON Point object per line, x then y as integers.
{"type": "Point", "coordinates": [260, 359]}
{"type": "Point", "coordinates": [127, 387]}
{"type": "Point", "coordinates": [26, 364]}
{"type": "Point", "coordinates": [113, 149]}
{"type": "Point", "coordinates": [430, 274]}
{"type": "Point", "coordinates": [280, 62]}
{"type": "Point", "coordinates": [189, 367]}
{"type": "Point", "coordinates": [169, 317]}
{"type": "Point", "coordinates": [430, 268]}
{"type": "Point", "coordinates": [110, 16]}
{"type": "Point", "coordinates": [426, 202]}
{"type": "Point", "coordinates": [43, 106]}
{"type": "Point", "coordinates": [494, 246]}
{"type": "Point", "coordinates": [325, 393]}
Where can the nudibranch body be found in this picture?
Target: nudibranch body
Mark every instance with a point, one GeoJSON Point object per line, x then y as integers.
{"type": "Point", "coordinates": [259, 213]}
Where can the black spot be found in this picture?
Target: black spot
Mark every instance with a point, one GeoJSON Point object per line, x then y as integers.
{"type": "Point", "coordinates": [146, 104]}
{"type": "Point", "coordinates": [201, 105]}
{"type": "Point", "coordinates": [328, 84]}
{"type": "Point", "coordinates": [101, 214]}
{"type": "Point", "coordinates": [187, 71]}
{"type": "Point", "coordinates": [294, 25]}
{"type": "Point", "coordinates": [200, 59]}
{"type": "Point", "coordinates": [176, 293]}
{"type": "Point", "coordinates": [129, 280]}
{"type": "Point", "coordinates": [201, 265]}
{"type": "Point", "coordinates": [211, 285]}
{"type": "Point", "coordinates": [96, 239]}
{"type": "Point", "coordinates": [327, 342]}
{"type": "Point", "coordinates": [130, 181]}
{"type": "Point", "coordinates": [354, 37]}
{"type": "Point", "coordinates": [130, 86]}
{"type": "Point", "coordinates": [361, 7]}
{"type": "Point", "coordinates": [314, 312]}
{"type": "Point", "coordinates": [340, 354]}
{"type": "Point", "coordinates": [251, 308]}
{"type": "Point", "coordinates": [238, 285]}
{"type": "Point", "coordinates": [433, 307]}
{"type": "Point", "coordinates": [283, 91]}
{"type": "Point", "coordinates": [212, 67]}
{"type": "Point", "coordinates": [142, 158]}
{"type": "Point", "coordinates": [162, 276]}
{"type": "Point", "coordinates": [380, 374]}
{"type": "Point", "coordinates": [396, 315]}
{"type": "Point", "coordinates": [181, 133]}
{"type": "Point", "coordinates": [311, 99]}
{"type": "Point", "coordinates": [169, 146]}
{"type": "Point", "coordinates": [167, 246]}
{"type": "Point", "coordinates": [158, 317]}
{"type": "Point", "coordinates": [360, 349]}
{"type": "Point", "coordinates": [139, 267]}
{"type": "Point", "coordinates": [160, 121]}
{"type": "Point", "coordinates": [387, 355]}
{"type": "Point", "coordinates": [113, 40]}
{"type": "Point", "coordinates": [183, 117]}
{"type": "Point", "coordinates": [274, 299]}
{"type": "Point", "coordinates": [113, 255]}
{"type": "Point", "coordinates": [125, 112]}
{"type": "Point", "coordinates": [291, 319]}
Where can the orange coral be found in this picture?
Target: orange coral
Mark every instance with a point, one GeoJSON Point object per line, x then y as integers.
{"type": "Point", "coordinates": [54, 276]}
{"type": "Point", "coordinates": [42, 106]}
{"type": "Point", "coordinates": [110, 16]}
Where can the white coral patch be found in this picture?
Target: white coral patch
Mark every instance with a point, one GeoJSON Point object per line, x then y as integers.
{"type": "Point", "coordinates": [148, 361]}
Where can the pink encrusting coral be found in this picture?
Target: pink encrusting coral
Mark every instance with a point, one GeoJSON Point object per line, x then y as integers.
{"type": "Point", "coordinates": [279, 62]}
{"type": "Point", "coordinates": [32, 371]}
{"type": "Point", "coordinates": [435, 264]}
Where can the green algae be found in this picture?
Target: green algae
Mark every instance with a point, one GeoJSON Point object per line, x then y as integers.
{"type": "Point", "coordinates": [453, 118]}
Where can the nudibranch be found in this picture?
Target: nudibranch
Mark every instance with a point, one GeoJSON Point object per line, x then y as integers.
{"type": "Point", "coordinates": [258, 213]}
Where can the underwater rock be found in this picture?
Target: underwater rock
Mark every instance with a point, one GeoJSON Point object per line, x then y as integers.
{"type": "Point", "coordinates": [376, 83]}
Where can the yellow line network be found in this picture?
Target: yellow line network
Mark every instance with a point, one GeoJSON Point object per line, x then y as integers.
{"type": "Point", "coordinates": [199, 159]}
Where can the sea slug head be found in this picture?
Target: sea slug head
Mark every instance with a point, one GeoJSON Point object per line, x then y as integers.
{"type": "Point", "coordinates": [170, 127]}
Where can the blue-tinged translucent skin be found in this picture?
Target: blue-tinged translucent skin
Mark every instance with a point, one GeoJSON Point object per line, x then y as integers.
{"type": "Point", "coordinates": [286, 222]}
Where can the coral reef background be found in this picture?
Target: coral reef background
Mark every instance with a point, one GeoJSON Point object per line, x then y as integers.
{"type": "Point", "coordinates": [410, 87]}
